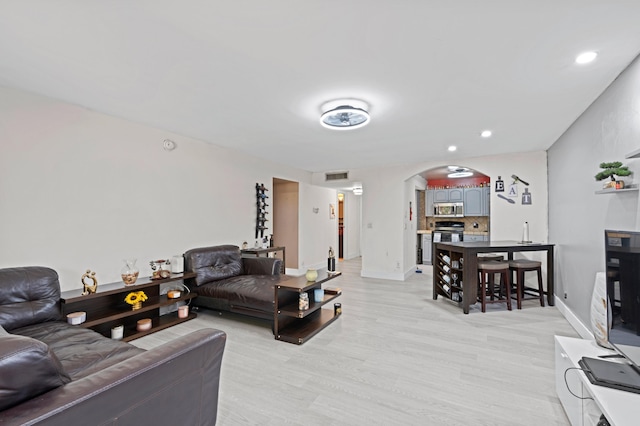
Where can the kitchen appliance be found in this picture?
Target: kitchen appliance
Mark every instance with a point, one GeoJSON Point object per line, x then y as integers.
{"type": "Point", "coordinates": [448, 209]}
{"type": "Point", "coordinates": [449, 231]}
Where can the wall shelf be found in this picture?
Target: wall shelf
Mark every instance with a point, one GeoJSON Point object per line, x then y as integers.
{"type": "Point", "coordinates": [612, 191]}
{"type": "Point", "coordinates": [634, 154]}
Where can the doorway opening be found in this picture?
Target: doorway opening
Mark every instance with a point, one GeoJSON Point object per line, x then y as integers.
{"type": "Point", "coordinates": [340, 226]}
{"type": "Point", "coordinates": [448, 186]}
{"type": "Point", "coordinates": [285, 219]}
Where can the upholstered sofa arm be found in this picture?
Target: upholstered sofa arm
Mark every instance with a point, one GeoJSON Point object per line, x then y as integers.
{"type": "Point", "coordinates": [261, 265]}
{"type": "Point", "coordinates": [176, 383]}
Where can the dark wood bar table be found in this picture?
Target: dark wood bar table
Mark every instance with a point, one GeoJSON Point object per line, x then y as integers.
{"type": "Point", "coordinates": [469, 267]}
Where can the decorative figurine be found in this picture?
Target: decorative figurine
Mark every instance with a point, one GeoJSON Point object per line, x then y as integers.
{"type": "Point", "coordinates": [159, 270]}
{"type": "Point", "coordinates": [89, 289]}
{"type": "Point", "coordinates": [331, 261]}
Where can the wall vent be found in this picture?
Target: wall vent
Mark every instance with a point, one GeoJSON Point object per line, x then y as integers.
{"type": "Point", "coordinates": [336, 176]}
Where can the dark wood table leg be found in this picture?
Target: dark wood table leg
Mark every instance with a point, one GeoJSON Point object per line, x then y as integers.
{"type": "Point", "coordinates": [470, 276]}
{"type": "Point", "coordinates": [550, 275]}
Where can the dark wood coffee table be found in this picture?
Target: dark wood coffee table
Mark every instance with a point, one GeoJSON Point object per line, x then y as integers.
{"type": "Point", "coordinates": [295, 326]}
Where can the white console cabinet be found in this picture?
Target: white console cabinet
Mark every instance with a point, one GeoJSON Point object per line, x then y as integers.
{"type": "Point", "coordinates": [619, 407]}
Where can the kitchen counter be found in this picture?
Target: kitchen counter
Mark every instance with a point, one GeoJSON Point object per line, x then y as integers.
{"type": "Point", "coordinates": [426, 231]}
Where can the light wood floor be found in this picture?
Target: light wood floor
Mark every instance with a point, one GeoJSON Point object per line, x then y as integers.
{"type": "Point", "coordinates": [395, 357]}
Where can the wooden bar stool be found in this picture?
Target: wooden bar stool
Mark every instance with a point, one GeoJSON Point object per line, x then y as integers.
{"type": "Point", "coordinates": [519, 267]}
{"type": "Point", "coordinates": [485, 257]}
{"type": "Point", "coordinates": [486, 284]}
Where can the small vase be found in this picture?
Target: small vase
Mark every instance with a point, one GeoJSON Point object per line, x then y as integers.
{"type": "Point", "coordinates": [311, 275]}
{"type": "Point", "coordinates": [129, 272]}
{"type": "Point", "coordinates": [136, 306]}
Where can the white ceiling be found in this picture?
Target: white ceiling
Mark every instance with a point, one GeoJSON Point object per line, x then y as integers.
{"type": "Point", "coordinates": [252, 75]}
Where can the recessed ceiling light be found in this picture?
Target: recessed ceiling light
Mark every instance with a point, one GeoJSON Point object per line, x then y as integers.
{"type": "Point", "coordinates": [586, 57]}
{"type": "Point", "coordinates": [486, 133]}
{"type": "Point", "coordinates": [452, 148]}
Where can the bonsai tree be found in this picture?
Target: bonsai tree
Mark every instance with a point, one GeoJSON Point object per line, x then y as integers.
{"type": "Point", "coordinates": [611, 170]}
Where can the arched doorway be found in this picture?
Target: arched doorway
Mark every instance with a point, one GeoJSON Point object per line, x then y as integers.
{"type": "Point", "coordinates": [454, 204]}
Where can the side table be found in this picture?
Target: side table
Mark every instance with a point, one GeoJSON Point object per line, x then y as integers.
{"type": "Point", "coordinates": [292, 325]}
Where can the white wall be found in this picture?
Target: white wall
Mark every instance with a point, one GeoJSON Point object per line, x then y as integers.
{"type": "Point", "coordinates": [321, 232]}
{"type": "Point", "coordinates": [79, 190]}
{"type": "Point", "coordinates": [606, 131]}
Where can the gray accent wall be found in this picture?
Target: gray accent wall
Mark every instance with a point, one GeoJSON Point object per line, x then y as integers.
{"type": "Point", "coordinates": [607, 131]}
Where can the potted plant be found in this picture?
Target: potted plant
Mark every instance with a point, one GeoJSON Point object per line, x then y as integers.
{"type": "Point", "coordinates": [611, 170]}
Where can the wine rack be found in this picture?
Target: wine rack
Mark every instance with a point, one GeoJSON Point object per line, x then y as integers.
{"type": "Point", "coordinates": [448, 272]}
{"type": "Point", "coordinates": [261, 210]}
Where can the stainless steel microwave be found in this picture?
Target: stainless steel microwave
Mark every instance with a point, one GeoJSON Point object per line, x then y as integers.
{"type": "Point", "coordinates": [448, 209]}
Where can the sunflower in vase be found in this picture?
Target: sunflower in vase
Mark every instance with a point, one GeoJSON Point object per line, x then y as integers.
{"type": "Point", "coordinates": [135, 299]}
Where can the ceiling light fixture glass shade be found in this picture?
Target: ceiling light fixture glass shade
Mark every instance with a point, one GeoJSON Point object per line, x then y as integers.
{"type": "Point", "coordinates": [345, 117]}
{"type": "Point", "coordinates": [460, 173]}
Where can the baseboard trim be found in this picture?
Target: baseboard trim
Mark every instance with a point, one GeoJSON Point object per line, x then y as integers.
{"type": "Point", "coordinates": [383, 275]}
{"type": "Point", "coordinates": [581, 329]}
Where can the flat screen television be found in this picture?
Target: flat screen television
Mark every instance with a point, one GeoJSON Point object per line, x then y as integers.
{"type": "Point", "coordinates": [622, 251]}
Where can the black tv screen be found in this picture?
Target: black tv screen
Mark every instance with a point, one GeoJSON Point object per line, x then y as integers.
{"type": "Point", "coordinates": [622, 250]}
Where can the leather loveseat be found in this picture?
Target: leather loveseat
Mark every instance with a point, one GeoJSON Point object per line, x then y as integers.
{"type": "Point", "coordinates": [226, 281]}
{"type": "Point", "coordinates": [55, 373]}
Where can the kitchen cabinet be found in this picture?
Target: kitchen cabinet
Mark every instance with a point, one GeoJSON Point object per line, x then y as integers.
{"type": "Point", "coordinates": [440, 195]}
{"type": "Point", "coordinates": [473, 201]}
{"type": "Point", "coordinates": [428, 201]}
{"type": "Point", "coordinates": [486, 196]}
{"type": "Point", "coordinates": [456, 195]}
{"type": "Point", "coordinates": [448, 195]}
{"type": "Point", "coordinates": [426, 249]}
{"type": "Point", "coordinates": [477, 201]}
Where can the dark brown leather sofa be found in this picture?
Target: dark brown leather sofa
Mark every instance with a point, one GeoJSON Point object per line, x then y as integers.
{"type": "Point", "coordinates": [226, 281]}
{"type": "Point", "coordinates": [54, 373]}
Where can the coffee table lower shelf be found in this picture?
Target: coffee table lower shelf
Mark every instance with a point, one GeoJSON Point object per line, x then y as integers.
{"type": "Point", "coordinates": [302, 330]}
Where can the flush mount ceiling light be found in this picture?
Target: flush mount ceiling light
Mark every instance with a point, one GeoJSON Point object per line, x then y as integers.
{"type": "Point", "coordinates": [460, 172]}
{"type": "Point", "coordinates": [452, 148]}
{"type": "Point", "coordinates": [486, 133]}
{"type": "Point", "coordinates": [343, 115]}
{"type": "Point", "coordinates": [586, 57]}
